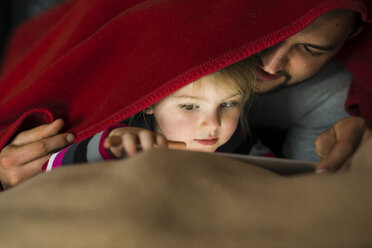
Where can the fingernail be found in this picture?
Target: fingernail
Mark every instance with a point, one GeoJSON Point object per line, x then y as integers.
{"type": "Point", "coordinates": [54, 121]}
{"type": "Point", "coordinates": [322, 171]}
{"type": "Point", "coordinates": [70, 138]}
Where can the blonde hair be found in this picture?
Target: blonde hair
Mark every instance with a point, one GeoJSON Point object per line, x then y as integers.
{"type": "Point", "coordinates": [239, 77]}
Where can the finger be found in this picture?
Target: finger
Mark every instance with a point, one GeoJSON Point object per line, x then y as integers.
{"type": "Point", "coordinates": [130, 142]}
{"type": "Point", "coordinates": [17, 175]}
{"type": "Point", "coordinates": [336, 158]}
{"type": "Point", "coordinates": [146, 139]}
{"type": "Point", "coordinates": [325, 143]}
{"type": "Point", "coordinates": [117, 151]}
{"type": "Point", "coordinates": [112, 141]}
{"type": "Point", "coordinates": [38, 133]}
{"type": "Point", "coordinates": [343, 139]}
{"type": "Point", "coordinates": [161, 141]}
{"type": "Point", "coordinates": [35, 166]}
{"type": "Point", "coordinates": [178, 145]}
{"type": "Point", "coordinates": [40, 148]}
{"type": "Point", "coordinates": [114, 144]}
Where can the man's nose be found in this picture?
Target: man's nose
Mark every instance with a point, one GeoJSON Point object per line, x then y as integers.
{"type": "Point", "coordinates": [275, 58]}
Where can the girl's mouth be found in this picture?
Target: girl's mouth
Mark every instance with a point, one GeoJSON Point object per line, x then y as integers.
{"type": "Point", "coordinates": [207, 142]}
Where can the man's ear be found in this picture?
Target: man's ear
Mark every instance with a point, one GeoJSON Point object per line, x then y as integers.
{"type": "Point", "coordinates": [356, 32]}
{"type": "Point", "coordinates": [149, 110]}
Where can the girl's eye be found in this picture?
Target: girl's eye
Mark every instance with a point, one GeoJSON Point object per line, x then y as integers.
{"type": "Point", "coordinates": [311, 52]}
{"type": "Point", "coordinates": [189, 107]}
{"type": "Point", "coordinates": [228, 104]}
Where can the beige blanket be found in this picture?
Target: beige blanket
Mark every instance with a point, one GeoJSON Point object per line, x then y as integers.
{"type": "Point", "coordinates": [165, 198]}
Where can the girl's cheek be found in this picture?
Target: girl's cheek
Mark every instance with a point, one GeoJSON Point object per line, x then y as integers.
{"type": "Point", "coordinates": [179, 129]}
{"type": "Point", "coordinates": [231, 120]}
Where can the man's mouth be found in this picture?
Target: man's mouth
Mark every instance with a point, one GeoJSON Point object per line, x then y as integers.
{"type": "Point", "coordinates": [207, 142]}
{"type": "Point", "coordinates": [265, 76]}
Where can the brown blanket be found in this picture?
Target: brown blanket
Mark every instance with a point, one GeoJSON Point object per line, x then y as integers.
{"type": "Point", "coordinates": [166, 198]}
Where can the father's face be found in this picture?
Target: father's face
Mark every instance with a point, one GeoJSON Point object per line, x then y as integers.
{"type": "Point", "coordinates": [302, 55]}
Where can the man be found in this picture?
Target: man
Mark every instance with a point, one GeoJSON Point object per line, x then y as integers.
{"type": "Point", "coordinates": [303, 87]}
{"type": "Point", "coordinates": [281, 65]}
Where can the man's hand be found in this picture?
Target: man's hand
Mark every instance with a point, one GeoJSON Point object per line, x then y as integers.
{"type": "Point", "coordinates": [132, 139]}
{"type": "Point", "coordinates": [338, 144]}
{"type": "Point", "coordinates": [29, 150]}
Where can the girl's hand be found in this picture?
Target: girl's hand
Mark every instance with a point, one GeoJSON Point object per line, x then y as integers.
{"type": "Point", "coordinates": [130, 140]}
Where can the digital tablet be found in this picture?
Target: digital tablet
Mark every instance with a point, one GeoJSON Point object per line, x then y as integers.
{"type": "Point", "coordinates": [278, 165]}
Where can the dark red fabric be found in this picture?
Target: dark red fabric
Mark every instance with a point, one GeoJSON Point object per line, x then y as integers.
{"type": "Point", "coordinates": [357, 57]}
{"type": "Point", "coordinates": [97, 62]}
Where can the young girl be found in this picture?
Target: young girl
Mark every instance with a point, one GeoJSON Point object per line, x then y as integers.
{"type": "Point", "coordinates": [201, 116]}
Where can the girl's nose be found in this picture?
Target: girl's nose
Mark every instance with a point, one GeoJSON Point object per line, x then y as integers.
{"type": "Point", "coordinates": [275, 58]}
{"type": "Point", "coordinates": [211, 120]}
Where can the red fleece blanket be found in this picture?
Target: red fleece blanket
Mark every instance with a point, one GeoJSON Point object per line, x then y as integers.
{"type": "Point", "coordinates": [96, 62]}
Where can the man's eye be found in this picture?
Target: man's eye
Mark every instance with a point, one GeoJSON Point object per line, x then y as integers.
{"type": "Point", "coordinates": [189, 107]}
{"type": "Point", "coordinates": [311, 52]}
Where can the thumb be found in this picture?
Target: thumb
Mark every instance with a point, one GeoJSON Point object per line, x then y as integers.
{"type": "Point", "coordinates": [325, 143]}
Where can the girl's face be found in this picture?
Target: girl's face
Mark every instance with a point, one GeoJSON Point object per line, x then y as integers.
{"type": "Point", "coordinates": [204, 116]}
